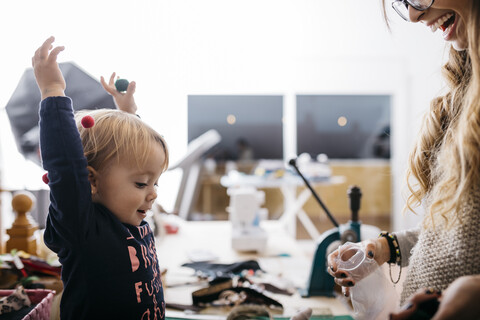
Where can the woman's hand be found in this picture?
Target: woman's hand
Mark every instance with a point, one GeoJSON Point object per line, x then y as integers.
{"type": "Point", "coordinates": [49, 78]}
{"type": "Point", "coordinates": [418, 306]}
{"type": "Point", "coordinates": [123, 101]}
{"type": "Point", "coordinates": [460, 300]}
{"type": "Point", "coordinates": [375, 248]}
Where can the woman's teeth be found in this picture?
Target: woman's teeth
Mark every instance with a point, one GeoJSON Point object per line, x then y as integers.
{"type": "Point", "coordinates": [439, 23]}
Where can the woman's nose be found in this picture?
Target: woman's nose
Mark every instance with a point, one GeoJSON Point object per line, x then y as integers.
{"type": "Point", "coordinates": [414, 14]}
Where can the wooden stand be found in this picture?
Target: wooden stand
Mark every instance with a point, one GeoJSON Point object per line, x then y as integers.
{"type": "Point", "coordinates": [23, 228]}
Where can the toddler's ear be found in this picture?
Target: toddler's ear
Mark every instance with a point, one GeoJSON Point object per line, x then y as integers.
{"type": "Point", "coordinates": [92, 177]}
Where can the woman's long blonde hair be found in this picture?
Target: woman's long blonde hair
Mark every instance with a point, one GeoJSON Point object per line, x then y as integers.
{"type": "Point", "coordinates": [445, 161]}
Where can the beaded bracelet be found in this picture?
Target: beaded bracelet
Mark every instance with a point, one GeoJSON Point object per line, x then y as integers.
{"type": "Point", "coordinates": [395, 255]}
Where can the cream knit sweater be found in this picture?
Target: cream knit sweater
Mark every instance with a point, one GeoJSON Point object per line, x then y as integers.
{"type": "Point", "coordinates": [437, 258]}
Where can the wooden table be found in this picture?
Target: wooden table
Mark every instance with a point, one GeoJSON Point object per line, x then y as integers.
{"type": "Point", "coordinates": [284, 257]}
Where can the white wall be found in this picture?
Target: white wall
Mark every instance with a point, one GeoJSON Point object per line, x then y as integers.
{"type": "Point", "coordinates": [173, 48]}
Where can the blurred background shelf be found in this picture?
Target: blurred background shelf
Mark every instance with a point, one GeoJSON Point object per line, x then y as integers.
{"type": "Point", "coordinates": [372, 176]}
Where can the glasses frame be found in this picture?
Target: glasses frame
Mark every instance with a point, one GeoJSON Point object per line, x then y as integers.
{"type": "Point", "coordinates": [408, 3]}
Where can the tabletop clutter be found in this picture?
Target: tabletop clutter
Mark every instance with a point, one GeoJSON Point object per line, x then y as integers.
{"type": "Point", "coordinates": [28, 284]}
{"type": "Point", "coordinates": [243, 286]}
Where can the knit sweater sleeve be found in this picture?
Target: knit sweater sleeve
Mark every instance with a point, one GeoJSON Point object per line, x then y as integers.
{"type": "Point", "coordinates": [407, 240]}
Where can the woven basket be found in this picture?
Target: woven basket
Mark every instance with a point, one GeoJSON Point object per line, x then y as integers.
{"type": "Point", "coordinates": [43, 300]}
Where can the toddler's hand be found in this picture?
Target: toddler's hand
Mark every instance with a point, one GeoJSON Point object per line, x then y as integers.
{"type": "Point", "coordinates": [123, 101]}
{"type": "Point", "coordinates": [49, 78]}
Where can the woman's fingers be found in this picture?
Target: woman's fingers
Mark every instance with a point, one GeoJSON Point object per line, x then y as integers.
{"type": "Point", "coordinates": [341, 274]}
{"type": "Point", "coordinates": [332, 265]}
{"type": "Point", "coordinates": [370, 249]}
{"type": "Point", "coordinates": [347, 282]}
{"type": "Point", "coordinates": [414, 302]}
{"type": "Point", "coordinates": [346, 291]}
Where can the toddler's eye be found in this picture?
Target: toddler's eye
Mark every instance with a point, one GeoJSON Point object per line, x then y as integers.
{"type": "Point", "coordinates": [140, 184]}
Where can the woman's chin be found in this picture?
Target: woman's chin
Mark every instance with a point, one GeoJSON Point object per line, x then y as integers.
{"type": "Point", "coordinates": [459, 45]}
{"type": "Point", "coordinates": [458, 36]}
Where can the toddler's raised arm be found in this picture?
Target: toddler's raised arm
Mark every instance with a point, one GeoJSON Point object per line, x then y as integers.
{"type": "Point", "coordinates": [62, 156]}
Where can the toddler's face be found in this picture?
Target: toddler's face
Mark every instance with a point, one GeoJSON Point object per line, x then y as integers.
{"type": "Point", "coordinates": [129, 191]}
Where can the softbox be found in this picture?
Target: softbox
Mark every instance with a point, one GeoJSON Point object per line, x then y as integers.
{"type": "Point", "coordinates": [22, 108]}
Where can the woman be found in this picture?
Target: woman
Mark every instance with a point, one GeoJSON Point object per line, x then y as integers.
{"type": "Point", "coordinates": [443, 175]}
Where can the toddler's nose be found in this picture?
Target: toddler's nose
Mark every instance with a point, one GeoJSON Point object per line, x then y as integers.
{"type": "Point", "coordinates": [152, 195]}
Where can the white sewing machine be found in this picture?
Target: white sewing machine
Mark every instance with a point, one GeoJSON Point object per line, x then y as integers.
{"type": "Point", "coordinates": [245, 213]}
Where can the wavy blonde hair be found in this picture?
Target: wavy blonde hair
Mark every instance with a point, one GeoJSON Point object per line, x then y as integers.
{"type": "Point", "coordinates": [445, 161]}
{"type": "Point", "coordinates": [117, 136]}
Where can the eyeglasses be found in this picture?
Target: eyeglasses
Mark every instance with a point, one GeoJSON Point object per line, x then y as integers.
{"type": "Point", "coordinates": [401, 6]}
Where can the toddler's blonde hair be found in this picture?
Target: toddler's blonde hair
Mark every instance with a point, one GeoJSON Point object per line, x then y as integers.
{"type": "Point", "coordinates": [117, 136]}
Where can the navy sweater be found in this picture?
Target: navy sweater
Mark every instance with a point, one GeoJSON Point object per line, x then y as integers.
{"type": "Point", "coordinates": [109, 269]}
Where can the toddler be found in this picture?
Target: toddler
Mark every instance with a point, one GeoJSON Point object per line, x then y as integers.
{"type": "Point", "coordinates": [102, 176]}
